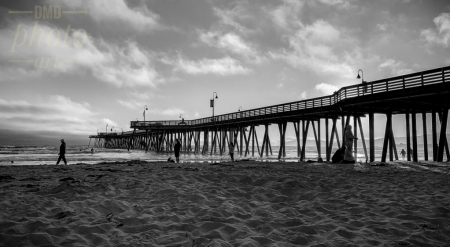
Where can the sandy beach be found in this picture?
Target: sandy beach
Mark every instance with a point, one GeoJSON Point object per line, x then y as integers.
{"type": "Point", "coordinates": [226, 204]}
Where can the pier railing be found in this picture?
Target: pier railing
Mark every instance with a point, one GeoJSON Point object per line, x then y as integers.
{"type": "Point", "coordinates": [398, 83]}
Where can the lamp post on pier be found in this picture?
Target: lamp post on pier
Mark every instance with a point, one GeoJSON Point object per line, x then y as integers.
{"type": "Point", "coordinates": [212, 104]}
{"type": "Point", "coordinates": [362, 75]}
{"type": "Point", "coordinates": [145, 109]}
{"type": "Point", "coordinates": [362, 80]}
{"type": "Point", "coordinates": [106, 128]}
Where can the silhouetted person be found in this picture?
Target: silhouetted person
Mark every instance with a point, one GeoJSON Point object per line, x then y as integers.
{"type": "Point", "coordinates": [338, 155]}
{"type": "Point", "coordinates": [232, 151]}
{"type": "Point", "coordinates": [177, 148]}
{"type": "Point", "coordinates": [403, 153]}
{"type": "Point", "coordinates": [62, 152]}
{"type": "Point", "coordinates": [349, 138]}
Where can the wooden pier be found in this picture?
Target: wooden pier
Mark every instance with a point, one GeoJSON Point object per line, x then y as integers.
{"type": "Point", "coordinates": [421, 93]}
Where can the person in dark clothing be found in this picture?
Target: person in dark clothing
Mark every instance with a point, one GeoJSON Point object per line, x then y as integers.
{"type": "Point", "coordinates": [62, 152]}
{"type": "Point", "coordinates": [403, 153]}
{"type": "Point", "coordinates": [338, 155]}
{"type": "Point", "coordinates": [177, 148]}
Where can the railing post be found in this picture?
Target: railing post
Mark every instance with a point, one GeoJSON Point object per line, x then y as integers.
{"type": "Point", "coordinates": [421, 77]}
{"type": "Point", "coordinates": [387, 87]}
{"type": "Point", "coordinates": [371, 87]}
{"type": "Point", "coordinates": [345, 89]}
{"type": "Point", "coordinates": [404, 86]}
{"type": "Point", "coordinates": [443, 76]}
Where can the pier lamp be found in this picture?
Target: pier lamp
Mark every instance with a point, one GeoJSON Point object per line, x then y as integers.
{"type": "Point", "coordinates": [122, 130]}
{"type": "Point", "coordinates": [106, 128]}
{"type": "Point", "coordinates": [362, 79]}
{"type": "Point", "coordinates": [362, 75]}
{"type": "Point", "coordinates": [212, 103]}
{"type": "Point", "coordinates": [240, 108]}
{"type": "Point", "coordinates": [145, 109]}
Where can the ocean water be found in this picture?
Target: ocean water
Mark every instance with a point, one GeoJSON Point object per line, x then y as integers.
{"type": "Point", "coordinates": [48, 155]}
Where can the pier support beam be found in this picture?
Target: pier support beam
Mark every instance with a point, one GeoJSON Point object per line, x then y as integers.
{"type": "Point", "coordinates": [247, 141]}
{"type": "Point", "coordinates": [257, 143]}
{"type": "Point", "coordinates": [392, 144]}
{"type": "Point", "coordinates": [333, 133]}
{"type": "Point", "coordinates": [408, 138]}
{"type": "Point", "coordinates": [414, 134]}
{"type": "Point", "coordinates": [443, 136]}
{"type": "Point", "coordinates": [355, 128]}
{"type": "Point", "coordinates": [253, 141]}
{"type": "Point", "coordinates": [343, 128]}
{"type": "Point", "coordinates": [425, 137]}
{"type": "Point", "coordinates": [434, 134]}
{"type": "Point", "coordinates": [297, 137]}
{"type": "Point", "coordinates": [264, 146]}
{"type": "Point", "coordinates": [362, 138]}
{"type": "Point", "coordinates": [282, 129]}
{"type": "Point", "coordinates": [131, 139]}
{"type": "Point", "coordinates": [386, 136]}
{"type": "Point", "coordinates": [372, 136]}
{"type": "Point", "coordinates": [242, 130]}
{"type": "Point", "coordinates": [445, 142]}
{"type": "Point", "coordinates": [267, 140]}
{"type": "Point", "coordinates": [317, 137]}
{"type": "Point", "coordinates": [305, 134]}
{"type": "Point", "coordinates": [327, 153]}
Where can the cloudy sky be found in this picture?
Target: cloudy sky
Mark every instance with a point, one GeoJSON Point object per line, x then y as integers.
{"type": "Point", "coordinates": [71, 74]}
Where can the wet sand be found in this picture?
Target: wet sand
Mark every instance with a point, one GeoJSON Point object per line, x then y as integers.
{"type": "Point", "coordinates": [228, 204]}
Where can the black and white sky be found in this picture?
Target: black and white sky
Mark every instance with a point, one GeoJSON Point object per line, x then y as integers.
{"type": "Point", "coordinates": [100, 62]}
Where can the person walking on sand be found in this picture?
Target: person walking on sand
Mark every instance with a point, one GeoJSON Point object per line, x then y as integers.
{"type": "Point", "coordinates": [177, 148]}
{"type": "Point", "coordinates": [62, 152]}
{"type": "Point", "coordinates": [349, 138]}
{"type": "Point", "coordinates": [232, 151]}
{"type": "Point", "coordinates": [403, 153]}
